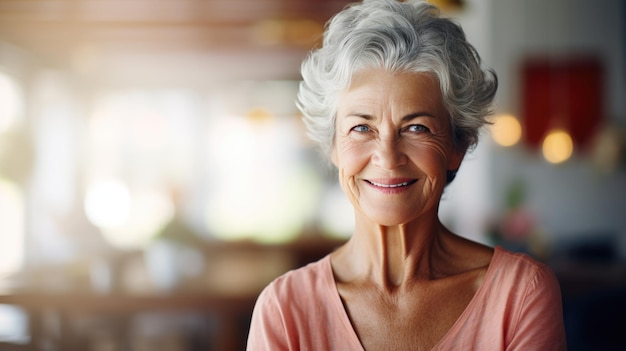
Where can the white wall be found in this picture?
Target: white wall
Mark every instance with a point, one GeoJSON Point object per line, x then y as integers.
{"type": "Point", "coordinates": [571, 200]}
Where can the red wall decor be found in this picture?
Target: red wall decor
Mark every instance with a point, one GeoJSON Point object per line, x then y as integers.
{"type": "Point", "coordinates": [565, 92]}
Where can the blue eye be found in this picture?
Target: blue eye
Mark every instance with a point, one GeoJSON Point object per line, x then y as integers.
{"type": "Point", "coordinates": [417, 128]}
{"type": "Point", "coordinates": [361, 128]}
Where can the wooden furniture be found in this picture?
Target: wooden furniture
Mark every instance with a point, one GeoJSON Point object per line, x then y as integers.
{"type": "Point", "coordinates": [116, 313]}
{"type": "Point", "coordinates": [209, 313]}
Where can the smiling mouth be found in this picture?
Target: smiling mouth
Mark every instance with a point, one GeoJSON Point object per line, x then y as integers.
{"type": "Point", "coordinates": [397, 185]}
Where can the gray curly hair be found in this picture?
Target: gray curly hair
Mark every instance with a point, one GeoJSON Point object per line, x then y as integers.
{"type": "Point", "coordinates": [397, 36]}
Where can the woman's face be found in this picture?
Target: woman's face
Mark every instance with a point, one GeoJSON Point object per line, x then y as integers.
{"type": "Point", "coordinates": [393, 145]}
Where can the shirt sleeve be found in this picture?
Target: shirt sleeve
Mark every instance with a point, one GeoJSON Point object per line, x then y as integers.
{"type": "Point", "coordinates": [267, 327]}
{"type": "Point", "coordinates": [540, 320]}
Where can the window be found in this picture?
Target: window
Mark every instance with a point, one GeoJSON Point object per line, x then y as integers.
{"type": "Point", "coordinates": [13, 166]}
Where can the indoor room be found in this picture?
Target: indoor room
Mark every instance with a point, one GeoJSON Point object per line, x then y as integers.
{"type": "Point", "coordinates": [156, 174]}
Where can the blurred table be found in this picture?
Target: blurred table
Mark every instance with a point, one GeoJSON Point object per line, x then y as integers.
{"type": "Point", "coordinates": [223, 296]}
{"type": "Point", "coordinates": [229, 312]}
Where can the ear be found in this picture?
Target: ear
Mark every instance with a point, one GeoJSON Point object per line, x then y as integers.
{"type": "Point", "coordinates": [455, 158]}
{"type": "Point", "coordinates": [454, 163]}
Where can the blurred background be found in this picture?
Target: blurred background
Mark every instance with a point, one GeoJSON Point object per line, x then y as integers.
{"type": "Point", "coordinates": [155, 173]}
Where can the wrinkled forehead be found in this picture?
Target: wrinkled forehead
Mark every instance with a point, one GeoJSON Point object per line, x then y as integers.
{"type": "Point", "coordinates": [380, 87]}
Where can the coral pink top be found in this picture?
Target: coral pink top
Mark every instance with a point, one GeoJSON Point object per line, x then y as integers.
{"type": "Point", "coordinates": [517, 307]}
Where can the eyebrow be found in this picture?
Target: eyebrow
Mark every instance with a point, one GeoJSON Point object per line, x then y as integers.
{"type": "Point", "coordinates": [416, 115]}
{"type": "Point", "coordinates": [406, 118]}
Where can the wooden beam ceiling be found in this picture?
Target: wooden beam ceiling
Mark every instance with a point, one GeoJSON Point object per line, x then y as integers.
{"type": "Point", "coordinates": [65, 33]}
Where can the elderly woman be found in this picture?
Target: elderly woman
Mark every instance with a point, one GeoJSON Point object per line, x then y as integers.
{"type": "Point", "coordinates": [395, 97]}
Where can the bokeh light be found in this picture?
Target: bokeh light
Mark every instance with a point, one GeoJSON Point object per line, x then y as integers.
{"type": "Point", "coordinates": [506, 130]}
{"type": "Point", "coordinates": [557, 146]}
{"type": "Point", "coordinates": [107, 204]}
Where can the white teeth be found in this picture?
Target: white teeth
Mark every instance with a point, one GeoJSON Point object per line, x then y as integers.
{"type": "Point", "coordinates": [389, 185]}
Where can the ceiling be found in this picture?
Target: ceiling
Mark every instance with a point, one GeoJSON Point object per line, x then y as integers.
{"type": "Point", "coordinates": [167, 40]}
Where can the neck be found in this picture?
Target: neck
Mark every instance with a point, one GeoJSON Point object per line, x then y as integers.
{"type": "Point", "coordinates": [393, 256]}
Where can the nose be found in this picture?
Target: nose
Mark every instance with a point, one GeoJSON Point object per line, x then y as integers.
{"type": "Point", "coordinates": [389, 154]}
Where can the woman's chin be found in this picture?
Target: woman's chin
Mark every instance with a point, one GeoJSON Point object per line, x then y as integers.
{"type": "Point", "coordinates": [390, 217]}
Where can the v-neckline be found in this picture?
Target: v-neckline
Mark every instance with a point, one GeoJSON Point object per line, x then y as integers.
{"type": "Point", "coordinates": [345, 319]}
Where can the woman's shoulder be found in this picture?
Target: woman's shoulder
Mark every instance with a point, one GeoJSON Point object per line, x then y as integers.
{"type": "Point", "coordinates": [518, 304]}
{"type": "Point", "coordinates": [520, 269]}
{"type": "Point", "coordinates": [303, 280]}
{"type": "Point", "coordinates": [300, 295]}
{"type": "Point", "coordinates": [505, 259]}
{"type": "Point", "coordinates": [516, 282]}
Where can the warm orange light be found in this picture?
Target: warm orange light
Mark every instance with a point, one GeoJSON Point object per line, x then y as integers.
{"type": "Point", "coordinates": [557, 146]}
{"type": "Point", "coordinates": [506, 130]}
{"type": "Point", "coordinates": [276, 32]}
